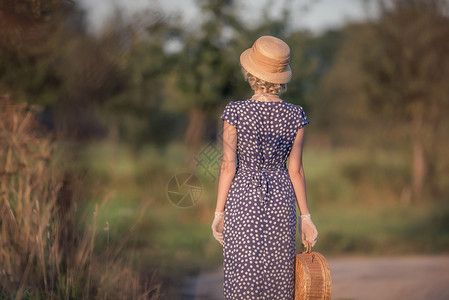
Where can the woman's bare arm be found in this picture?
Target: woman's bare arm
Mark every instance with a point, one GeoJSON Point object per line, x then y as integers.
{"type": "Point", "coordinates": [228, 165]}
{"type": "Point", "coordinates": [296, 172]}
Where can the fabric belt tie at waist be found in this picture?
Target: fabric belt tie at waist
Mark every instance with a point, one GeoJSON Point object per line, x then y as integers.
{"type": "Point", "coordinates": [259, 179]}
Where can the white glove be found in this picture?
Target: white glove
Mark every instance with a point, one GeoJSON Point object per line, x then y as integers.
{"type": "Point", "coordinates": [307, 229]}
{"type": "Point", "coordinates": [217, 227]}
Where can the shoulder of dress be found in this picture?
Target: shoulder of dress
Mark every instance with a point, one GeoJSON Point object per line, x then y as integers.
{"type": "Point", "coordinates": [293, 106]}
{"type": "Point", "coordinates": [298, 107]}
{"type": "Point", "coordinates": [239, 103]}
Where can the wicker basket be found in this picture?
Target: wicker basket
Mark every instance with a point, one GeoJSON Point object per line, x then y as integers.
{"type": "Point", "coordinates": [312, 276]}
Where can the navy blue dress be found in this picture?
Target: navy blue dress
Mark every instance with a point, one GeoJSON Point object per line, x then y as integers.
{"type": "Point", "coordinates": [260, 220]}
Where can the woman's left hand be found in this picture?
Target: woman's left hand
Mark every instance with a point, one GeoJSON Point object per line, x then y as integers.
{"type": "Point", "coordinates": [217, 227]}
{"type": "Point", "coordinates": [308, 230]}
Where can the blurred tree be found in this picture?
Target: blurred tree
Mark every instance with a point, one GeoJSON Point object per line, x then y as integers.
{"type": "Point", "coordinates": [407, 69]}
{"type": "Point", "coordinates": [390, 75]}
{"type": "Point", "coordinates": [207, 73]}
{"type": "Point", "coordinates": [31, 8]}
{"type": "Point", "coordinates": [136, 111]}
{"type": "Point", "coordinates": [206, 67]}
{"type": "Point", "coordinates": [36, 38]}
{"type": "Point", "coordinates": [312, 58]}
{"type": "Point", "coordinates": [47, 57]}
{"type": "Point", "coordinates": [28, 57]}
{"type": "Point", "coordinates": [339, 99]}
{"type": "Point", "coordinates": [389, 79]}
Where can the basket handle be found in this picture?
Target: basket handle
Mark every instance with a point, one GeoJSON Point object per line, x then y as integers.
{"type": "Point", "coordinates": [307, 247]}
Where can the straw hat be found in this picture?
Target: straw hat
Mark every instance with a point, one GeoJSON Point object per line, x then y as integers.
{"type": "Point", "coordinates": [268, 60]}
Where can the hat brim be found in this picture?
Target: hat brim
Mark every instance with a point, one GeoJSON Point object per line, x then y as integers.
{"type": "Point", "coordinates": [251, 67]}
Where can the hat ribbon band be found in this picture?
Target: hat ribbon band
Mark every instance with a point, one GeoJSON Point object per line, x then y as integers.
{"type": "Point", "coordinates": [269, 64]}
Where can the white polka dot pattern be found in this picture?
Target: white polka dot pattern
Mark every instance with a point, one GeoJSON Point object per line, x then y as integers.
{"type": "Point", "coordinates": [260, 220]}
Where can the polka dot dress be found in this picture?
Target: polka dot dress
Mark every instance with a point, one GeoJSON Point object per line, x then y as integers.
{"type": "Point", "coordinates": [260, 220]}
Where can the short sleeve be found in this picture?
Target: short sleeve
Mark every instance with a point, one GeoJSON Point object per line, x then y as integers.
{"type": "Point", "coordinates": [303, 120]}
{"type": "Point", "coordinates": [230, 114]}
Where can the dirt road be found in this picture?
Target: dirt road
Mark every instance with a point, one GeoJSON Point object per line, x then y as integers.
{"type": "Point", "coordinates": [361, 278]}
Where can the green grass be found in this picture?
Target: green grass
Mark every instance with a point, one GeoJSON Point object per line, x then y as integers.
{"type": "Point", "coordinates": [354, 197]}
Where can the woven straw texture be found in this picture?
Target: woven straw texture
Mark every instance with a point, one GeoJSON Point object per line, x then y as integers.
{"type": "Point", "coordinates": [312, 276]}
{"type": "Point", "coordinates": [268, 59]}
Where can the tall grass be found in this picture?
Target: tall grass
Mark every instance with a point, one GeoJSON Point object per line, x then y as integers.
{"type": "Point", "coordinates": [47, 247]}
